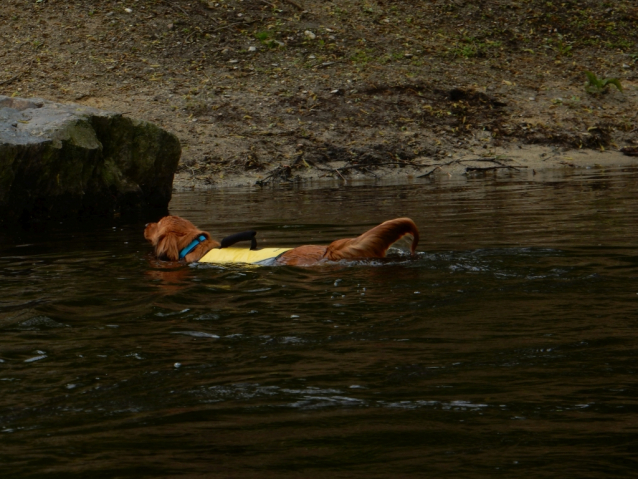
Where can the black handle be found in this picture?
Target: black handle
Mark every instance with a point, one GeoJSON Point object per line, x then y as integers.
{"type": "Point", "coordinates": [244, 236]}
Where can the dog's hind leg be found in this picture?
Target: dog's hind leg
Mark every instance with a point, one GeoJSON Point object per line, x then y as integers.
{"type": "Point", "coordinates": [375, 242]}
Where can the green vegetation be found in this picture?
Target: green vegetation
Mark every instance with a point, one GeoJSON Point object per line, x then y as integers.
{"type": "Point", "coordinates": [363, 56]}
{"type": "Point", "coordinates": [600, 85]}
{"type": "Point", "coordinates": [563, 47]}
{"type": "Point", "coordinates": [471, 47]}
{"type": "Point", "coordinates": [265, 37]}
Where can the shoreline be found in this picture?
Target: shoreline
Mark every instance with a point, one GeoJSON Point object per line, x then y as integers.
{"type": "Point", "coordinates": [342, 89]}
{"type": "Point", "coordinates": [524, 161]}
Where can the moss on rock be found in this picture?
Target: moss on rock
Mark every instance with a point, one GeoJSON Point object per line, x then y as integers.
{"type": "Point", "coordinates": [61, 161]}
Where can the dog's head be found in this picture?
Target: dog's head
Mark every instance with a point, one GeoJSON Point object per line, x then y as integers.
{"type": "Point", "coordinates": [172, 234]}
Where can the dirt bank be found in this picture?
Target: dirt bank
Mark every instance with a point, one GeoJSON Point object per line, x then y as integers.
{"type": "Point", "coordinates": [266, 91]}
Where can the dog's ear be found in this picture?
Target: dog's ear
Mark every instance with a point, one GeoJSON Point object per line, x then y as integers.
{"type": "Point", "coordinates": [167, 246]}
{"type": "Point", "coordinates": [150, 233]}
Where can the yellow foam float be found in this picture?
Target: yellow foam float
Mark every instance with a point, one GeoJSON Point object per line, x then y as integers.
{"type": "Point", "coordinates": [242, 255]}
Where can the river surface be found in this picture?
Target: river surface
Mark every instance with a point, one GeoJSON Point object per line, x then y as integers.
{"type": "Point", "coordinates": [508, 347]}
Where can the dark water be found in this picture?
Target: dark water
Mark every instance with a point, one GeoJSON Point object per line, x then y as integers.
{"type": "Point", "coordinates": [508, 348]}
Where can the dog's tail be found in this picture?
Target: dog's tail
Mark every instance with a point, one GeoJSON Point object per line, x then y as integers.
{"type": "Point", "coordinates": [375, 242]}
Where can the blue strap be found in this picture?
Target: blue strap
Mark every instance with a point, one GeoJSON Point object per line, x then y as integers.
{"type": "Point", "coordinates": [191, 247]}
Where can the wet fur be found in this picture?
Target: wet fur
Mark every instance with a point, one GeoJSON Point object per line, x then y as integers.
{"type": "Point", "coordinates": [171, 234]}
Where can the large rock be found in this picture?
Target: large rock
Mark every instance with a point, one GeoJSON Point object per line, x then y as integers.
{"type": "Point", "coordinates": [66, 160]}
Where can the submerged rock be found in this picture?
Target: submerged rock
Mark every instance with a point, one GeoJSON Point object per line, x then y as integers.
{"type": "Point", "coordinates": [66, 160]}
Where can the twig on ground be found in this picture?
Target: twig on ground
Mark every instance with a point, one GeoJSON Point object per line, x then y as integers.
{"type": "Point", "coordinates": [486, 168]}
{"type": "Point", "coordinates": [268, 3]}
{"type": "Point", "coordinates": [489, 160]}
{"type": "Point", "coordinates": [176, 7]}
{"type": "Point", "coordinates": [15, 77]}
{"type": "Point", "coordinates": [494, 159]}
{"type": "Point", "coordinates": [294, 4]}
{"type": "Point", "coordinates": [281, 173]}
{"type": "Point", "coordinates": [231, 25]}
{"type": "Point", "coordinates": [376, 176]}
{"type": "Point", "coordinates": [12, 79]}
{"type": "Point", "coordinates": [630, 150]}
{"type": "Point", "coordinates": [429, 172]}
{"type": "Point", "coordinates": [344, 180]}
{"type": "Point", "coordinates": [188, 37]}
{"type": "Point", "coordinates": [325, 65]}
{"type": "Point", "coordinates": [507, 166]}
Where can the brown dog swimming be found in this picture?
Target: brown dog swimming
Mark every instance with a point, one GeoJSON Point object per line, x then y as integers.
{"type": "Point", "coordinates": [174, 238]}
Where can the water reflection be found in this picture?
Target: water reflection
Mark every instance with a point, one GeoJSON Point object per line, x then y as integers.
{"type": "Point", "coordinates": [508, 345]}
